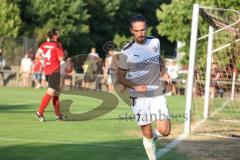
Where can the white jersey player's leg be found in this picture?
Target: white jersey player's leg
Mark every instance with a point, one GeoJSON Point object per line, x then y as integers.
{"type": "Point", "coordinates": [150, 148]}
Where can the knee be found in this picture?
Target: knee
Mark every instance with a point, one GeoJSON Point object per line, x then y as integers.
{"type": "Point", "coordinates": [50, 92]}
{"type": "Point", "coordinates": [165, 133]}
{"type": "Point", "coordinates": [148, 135]}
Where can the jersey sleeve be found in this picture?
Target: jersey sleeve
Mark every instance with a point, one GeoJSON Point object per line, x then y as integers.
{"type": "Point", "coordinates": [59, 52]}
{"type": "Point", "coordinates": [122, 62]}
{"type": "Point", "coordinates": [40, 49]}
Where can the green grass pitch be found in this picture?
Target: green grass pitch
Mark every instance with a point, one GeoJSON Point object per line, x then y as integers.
{"type": "Point", "coordinates": [107, 137]}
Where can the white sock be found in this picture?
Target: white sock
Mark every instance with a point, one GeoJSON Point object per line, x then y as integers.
{"type": "Point", "coordinates": [150, 148]}
{"type": "Point", "coordinates": [156, 134]}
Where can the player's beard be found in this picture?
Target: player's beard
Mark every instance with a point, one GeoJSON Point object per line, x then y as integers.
{"type": "Point", "coordinates": [140, 39]}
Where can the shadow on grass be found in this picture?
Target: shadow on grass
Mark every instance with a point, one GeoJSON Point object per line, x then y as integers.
{"type": "Point", "coordinates": [16, 107]}
{"type": "Point", "coordinates": [118, 150]}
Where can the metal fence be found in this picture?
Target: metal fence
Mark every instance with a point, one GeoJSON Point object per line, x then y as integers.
{"type": "Point", "coordinates": [13, 49]}
{"type": "Point", "coordinates": [12, 52]}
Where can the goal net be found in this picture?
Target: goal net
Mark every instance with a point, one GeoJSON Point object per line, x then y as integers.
{"type": "Point", "coordinates": [213, 106]}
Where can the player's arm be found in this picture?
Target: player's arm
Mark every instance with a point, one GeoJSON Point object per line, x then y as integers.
{"type": "Point", "coordinates": [163, 73]}
{"type": "Point", "coordinates": [217, 77]}
{"type": "Point", "coordinates": [61, 58]}
{"type": "Point", "coordinates": [39, 53]}
{"type": "Point", "coordinates": [165, 76]}
{"type": "Point", "coordinates": [121, 74]}
{"type": "Point", "coordinates": [60, 55]}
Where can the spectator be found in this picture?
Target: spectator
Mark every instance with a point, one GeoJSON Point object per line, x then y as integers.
{"type": "Point", "coordinates": [37, 69]}
{"type": "Point", "coordinates": [2, 64]}
{"type": "Point", "coordinates": [90, 68]}
{"type": "Point", "coordinates": [197, 87]}
{"type": "Point", "coordinates": [99, 72]}
{"type": "Point", "coordinates": [172, 70]}
{"type": "Point", "coordinates": [69, 71]}
{"type": "Point", "coordinates": [108, 72]}
{"type": "Point", "coordinates": [215, 77]}
{"type": "Point", "coordinates": [44, 82]}
{"type": "Point", "coordinates": [2, 60]}
{"type": "Point", "coordinates": [25, 70]}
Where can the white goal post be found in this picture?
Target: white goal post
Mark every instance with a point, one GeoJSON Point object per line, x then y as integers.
{"type": "Point", "coordinates": [214, 28]}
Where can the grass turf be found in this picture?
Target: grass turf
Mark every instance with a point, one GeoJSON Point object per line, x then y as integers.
{"type": "Point", "coordinates": [107, 137]}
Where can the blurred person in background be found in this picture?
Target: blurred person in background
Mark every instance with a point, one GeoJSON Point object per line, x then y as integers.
{"type": "Point", "coordinates": [37, 69]}
{"type": "Point", "coordinates": [215, 77]}
{"type": "Point", "coordinates": [172, 70]}
{"type": "Point", "coordinates": [26, 69]}
{"type": "Point", "coordinates": [90, 68]}
{"type": "Point", "coordinates": [108, 71]}
{"type": "Point", "coordinates": [69, 72]}
{"type": "Point", "coordinates": [2, 65]}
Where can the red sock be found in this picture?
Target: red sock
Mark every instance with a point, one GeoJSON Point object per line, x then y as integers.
{"type": "Point", "coordinates": [56, 105]}
{"type": "Point", "coordinates": [44, 103]}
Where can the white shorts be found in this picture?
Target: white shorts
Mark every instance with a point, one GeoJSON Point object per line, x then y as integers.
{"type": "Point", "coordinates": [149, 109]}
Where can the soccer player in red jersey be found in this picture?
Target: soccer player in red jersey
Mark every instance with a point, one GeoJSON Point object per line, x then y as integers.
{"type": "Point", "coordinates": [53, 55]}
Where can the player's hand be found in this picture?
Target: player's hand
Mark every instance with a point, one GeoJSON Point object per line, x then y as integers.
{"type": "Point", "coordinates": [167, 78]}
{"type": "Point", "coordinates": [141, 88]}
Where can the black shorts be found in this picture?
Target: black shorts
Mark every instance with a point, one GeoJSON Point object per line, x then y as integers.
{"type": "Point", "coordinates": [54, 81]}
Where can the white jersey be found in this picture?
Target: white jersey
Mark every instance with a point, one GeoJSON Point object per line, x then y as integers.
{"type": "Point", "coordinates": [142, 63]}
{"type": "Point", "coordinates": [26, 64]}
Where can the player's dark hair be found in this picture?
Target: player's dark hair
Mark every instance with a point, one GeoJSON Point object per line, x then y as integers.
{"type": "Point", "coordinates": [53, 32]}
{"type": "Point", "coordinates": [137, 18]}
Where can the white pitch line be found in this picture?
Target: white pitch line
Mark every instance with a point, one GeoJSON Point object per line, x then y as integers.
{"type": "Point", "coordinates": [200, 122]}
{"type": "Point", "coordinates": [36, 141]}
{"type": "Point", "coordinates": [219, 109]}
{"type": "Point", "coordinates": [171, 145]}
{"type": "Point", "coordinates": [67, 142]}
{"type": "Point", "coordinates": [183, 136]}
{"type": "Point", "coordinates": [219, 136]}
{"type": "Point", "coordinates": [229, 120]}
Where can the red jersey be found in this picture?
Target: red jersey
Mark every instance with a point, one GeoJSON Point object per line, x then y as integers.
{"type": "Point", "coordinates": [51, 53]}
{"type": "Point", "coordinates": [37, 66]}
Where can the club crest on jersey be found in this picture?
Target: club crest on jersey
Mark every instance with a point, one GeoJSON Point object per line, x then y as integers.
{"type": "Point", "coordinates": [135, 55]}
{"type": "Point", "coordinates": [155, 49]}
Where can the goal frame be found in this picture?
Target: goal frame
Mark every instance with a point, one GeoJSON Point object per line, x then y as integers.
{"type": "Point", "coordinates": [192, 55]}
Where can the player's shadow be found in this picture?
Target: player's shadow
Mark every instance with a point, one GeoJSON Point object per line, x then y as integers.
{"type": "Point", "coordinates": [199, 149]}
{"type": "Point", "coordinates": [15, 107]}
{"type": "Point", "coordinates": [116, 150]}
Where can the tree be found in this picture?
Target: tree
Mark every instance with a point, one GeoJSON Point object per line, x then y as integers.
{"type": "Point", "coordinates": [111, 19]}
{"type": "Point", "coordinates": [10, 20]}
{"type": "Point", "coordinates": [102, 22]}
{"type": "Point", "coordinates": [175, 18]}
{"type": "Point", "coordinates": [68, 16]}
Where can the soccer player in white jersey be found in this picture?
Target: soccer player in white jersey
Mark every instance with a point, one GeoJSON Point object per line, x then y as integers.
{"type": "Point", "coordinates": [140, 69]}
